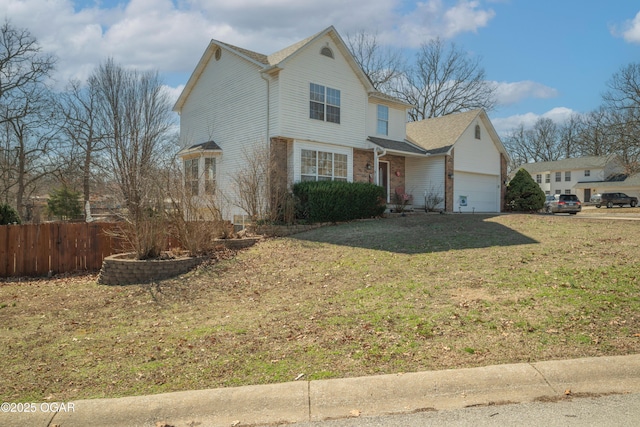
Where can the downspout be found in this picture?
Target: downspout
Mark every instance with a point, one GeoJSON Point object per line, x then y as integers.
{"type": "Point", "coordinates": [267, 79]}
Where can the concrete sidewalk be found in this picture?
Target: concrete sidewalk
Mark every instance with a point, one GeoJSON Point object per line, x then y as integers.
{"type": "Point", "coordinates": [323, 399]}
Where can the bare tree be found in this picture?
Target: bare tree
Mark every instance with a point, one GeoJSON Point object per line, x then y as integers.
{"type": "Point", "coordinates": [623, 102]}
{"type": "Point", "coordinates": [541, 143]}
{"type": "Point", "coordinates": [569, 136]}
{"type": "Point", "coordinates": [24, 70]}
{"type": "Point", "coordinates": [31, 129]}
{"type": "Point", "coordinates": [21, 61]}
{"type": "Point", "coordinates": [381, 65]}
{"type": "Point", "coordinates": [594, 134]}
{"type": "Point", "coordinates": [516, 143]}
{"type": "Point", "coordinates": [444, 80]}
{"type": "Point", "coordinates": [79, 105]}
{"type": "Point", "coordinates": [135, 116]}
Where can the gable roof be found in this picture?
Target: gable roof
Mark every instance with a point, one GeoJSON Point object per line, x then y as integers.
{"type": "Point", "coordinates": [587, 162]}
{"type": "Point", "coordinates": [275, 61]}
{"type": "Point", "coordinates": [438, 135]}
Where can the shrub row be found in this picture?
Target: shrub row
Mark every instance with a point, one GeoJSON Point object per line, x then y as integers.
{"type": "Point", "coordinates": [333, 201]}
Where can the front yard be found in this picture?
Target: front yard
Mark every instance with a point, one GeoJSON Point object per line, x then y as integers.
{"type": "Point", "coordinates": [404, 294]}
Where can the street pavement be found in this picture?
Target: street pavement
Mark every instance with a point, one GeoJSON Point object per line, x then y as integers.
{"type": "Point", "coordinates": [421, 394]}
{"type": "Point", "coordinates": [617, 410]}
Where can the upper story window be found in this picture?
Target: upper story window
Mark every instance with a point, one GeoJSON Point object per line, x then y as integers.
{"type": "Point", "coordinates": [567, 176]}
{"type": "Point", "coordinates": [539, 178]}
{"type": "Point", "coordinates": [324, 103]}
{"type": "Point", "coordinates": [383, 120]}
{"type": "Point", "coordinates": [191, 176]}
{"type": "Point", "coordinates": [547, 178]}
{"type": "Point", "coordinates": [558, 176]}
{"type": "Point", "coordinates": [326, 51]}
{"type": "Point", "coordinates": [587, 172]}
{"type": "Point", "coordinates": [477, 131]}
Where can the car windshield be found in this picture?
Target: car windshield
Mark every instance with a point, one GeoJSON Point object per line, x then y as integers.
{"type": "Point", "coordinates": [569, 197]}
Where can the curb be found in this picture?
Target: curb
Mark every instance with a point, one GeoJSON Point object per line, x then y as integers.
{"type": "Point", "coordinates": [305, 401]}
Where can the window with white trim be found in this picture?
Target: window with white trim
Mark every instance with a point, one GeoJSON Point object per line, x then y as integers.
{"type": "Point", "coordinates": [558, 176]}
{"type": "Point", "coordinates": [209, 175]}
{"type": "Point", "coordinates": [322, 166]}
{"type": "Point", "coordinates": [567, 176]}
{"type": "Point", "coordinates": [587, 172]}
{"type": "Point", "coordinates": [324, 103]}
{"type": "Point", "coordinates": [547, 178]}
{"type": "Point", "coordinates": [191, 176]}
{"type": "Point", "coordinates": [539, 178]}
{"type": "Point", "coordinates": [383, 120]}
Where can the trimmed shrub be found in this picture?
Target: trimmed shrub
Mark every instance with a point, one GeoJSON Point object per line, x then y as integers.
{"type": "Point", "coordinates": [333, 201]}
{"type": "Point", "coordinates": [523, 194]}
{"type": "Point", "coordinates": [8, 215]}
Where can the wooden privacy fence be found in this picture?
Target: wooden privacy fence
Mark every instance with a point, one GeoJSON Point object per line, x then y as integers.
{"type": "Point", "coordinates": [37, 249]}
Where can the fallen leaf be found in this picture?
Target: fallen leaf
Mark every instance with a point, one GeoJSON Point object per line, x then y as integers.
{"type": "Point", "coordinates": [355, 413]}
{"type": "Point", "coordinates": [567, 392]}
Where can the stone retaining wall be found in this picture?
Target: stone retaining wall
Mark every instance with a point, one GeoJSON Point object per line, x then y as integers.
{"type": "Point", "coordinates": [123, 269]}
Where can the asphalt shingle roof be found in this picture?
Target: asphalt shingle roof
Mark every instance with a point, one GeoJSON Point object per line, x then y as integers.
{"type": "Point", "coordinates": [403, 146]}
{"type": "Point", "coordinates": [437, 135]}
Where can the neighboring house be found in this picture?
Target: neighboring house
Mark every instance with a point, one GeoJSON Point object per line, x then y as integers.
{"type": "Point", "coordinates": [583, 176]}
{"type": "Point", "coordinates": [320, 118]}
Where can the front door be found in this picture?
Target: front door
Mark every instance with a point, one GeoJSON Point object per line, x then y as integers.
{"type": "Point", "coordinates": [587, 195]}
{"type": "Point", "coordinates": [383, 178]}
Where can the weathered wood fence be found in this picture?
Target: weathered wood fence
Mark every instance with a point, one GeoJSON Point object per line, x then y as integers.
{"type": "Point", "coordinates": [37, 249]}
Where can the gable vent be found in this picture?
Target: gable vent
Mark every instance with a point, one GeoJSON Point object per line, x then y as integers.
{"type": "Point", "coordinates": [326, 52]}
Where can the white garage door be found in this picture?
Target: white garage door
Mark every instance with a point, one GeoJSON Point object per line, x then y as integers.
{"type": "Point", "coordinates": [480, 192]}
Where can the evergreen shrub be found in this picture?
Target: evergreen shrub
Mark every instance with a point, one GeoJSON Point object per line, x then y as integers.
{"type": "Point", "coordinates": [333, 201]}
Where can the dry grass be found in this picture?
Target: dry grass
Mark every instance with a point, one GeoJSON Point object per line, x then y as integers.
{"type": "Point", "coordinates": [395, 295]}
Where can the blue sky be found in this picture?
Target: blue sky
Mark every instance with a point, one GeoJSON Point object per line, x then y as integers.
{"type": "Point", "coordinates": [549, 58]}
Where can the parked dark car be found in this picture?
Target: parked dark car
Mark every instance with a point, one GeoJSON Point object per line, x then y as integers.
{"type": "Point", "coordinates": [611, 199]}
{"type": "Point", "coordinates": [563, 203]}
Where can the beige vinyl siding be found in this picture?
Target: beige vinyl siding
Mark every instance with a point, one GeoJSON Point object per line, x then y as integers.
{"type": "Point", "coordinates": [424, 175]}
{"type": "Point", "coordinates": [309, 66]}
{"type": "Point", "coordinates": [476, 155]}
{"type": "Point", "coordinates": [397, 121]}
{"type": "Point", "coordinates": [231, 121]}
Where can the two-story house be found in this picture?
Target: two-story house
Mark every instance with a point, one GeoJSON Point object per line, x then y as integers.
{"type": "Point", "coordinates": [583, 176]}
{"type": "Point", "coordinates": [314, 109]}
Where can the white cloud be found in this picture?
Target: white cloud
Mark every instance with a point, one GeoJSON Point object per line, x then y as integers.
{"type": "Point", "coordinates": [631, 30]}
{"type": "Point", "coordinates": [170, 36]}
{"type": "Point", "coordinates": [511, 93]}
{"type": "Point", "coordinates": [432, 18]}
{"type": "Point", "coordinates": [504, 125]}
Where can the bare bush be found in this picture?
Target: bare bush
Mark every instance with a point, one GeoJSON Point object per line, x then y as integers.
{"type": "Point", "coordinates": [195, 221]}
{"type": "Point", "coordinates": [260, 187]}
{"type": "Point", "coordinates": [432, 199]}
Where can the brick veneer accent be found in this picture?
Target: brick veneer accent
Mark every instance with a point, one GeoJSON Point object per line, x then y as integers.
{"type": "Point", "coordinates": [396, 164]}
{"type": "Point", "coordinates": [503, 179]}
{"type": "Point", "coordinates": [278, 167]}
{"type": "Point", "coordinates": [360, 160]}
{"type": "Point", "coordinates": [448, 182]}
